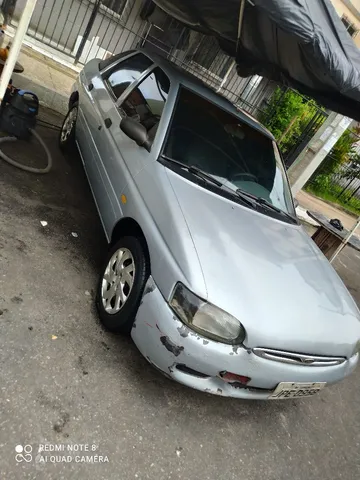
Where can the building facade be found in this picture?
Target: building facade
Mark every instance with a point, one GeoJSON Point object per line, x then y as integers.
{"type": "Point", "coordinates": [349, 12]}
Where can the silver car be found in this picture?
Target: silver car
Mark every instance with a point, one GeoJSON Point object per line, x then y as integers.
{"type": "Point", "coordinates": [208, 269]}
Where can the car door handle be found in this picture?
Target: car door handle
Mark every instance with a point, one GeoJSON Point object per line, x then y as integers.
{"type": "Point", "coordinates": [90, 86]}
{"type": "Point", "coordinates": [108, 122]}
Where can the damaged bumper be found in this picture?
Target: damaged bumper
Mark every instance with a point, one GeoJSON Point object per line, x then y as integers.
{"type": "Point", "coordinates": [198, 362]}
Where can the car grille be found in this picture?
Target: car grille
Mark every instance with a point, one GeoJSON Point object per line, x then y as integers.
{"type": "Point", "coordinates": [298, 358]}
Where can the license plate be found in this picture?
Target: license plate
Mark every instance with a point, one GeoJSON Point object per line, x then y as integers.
{"type": "Point", "coordinates": [296, 390]}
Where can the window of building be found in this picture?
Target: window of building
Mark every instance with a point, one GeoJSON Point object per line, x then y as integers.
{"type": "Point", "coordinates": [126, 72]}
{"type": "Point", "coordinates": [116, 6]}
{"type": "Point", "coordinates": [350, 27]}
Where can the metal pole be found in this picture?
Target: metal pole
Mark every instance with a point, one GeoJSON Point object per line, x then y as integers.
{"type": "Point", "coordinates": [317, 149]}
{"type": "Point", "coordinates": [241, 17]}
{"type": "Point", "coordinates": [224, 80]}
{"type": "Point", "coordinates": [240, 22]}
{"type": "Point", "coordinates": [16, 46]}
{"type": "Point", "coordinates": [345, 241]}
{"type": "Point", "coordinates": [87, 31]}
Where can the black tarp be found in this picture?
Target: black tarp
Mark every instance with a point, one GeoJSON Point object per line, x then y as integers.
{"type": "Point", "coordinates": [300, 43]}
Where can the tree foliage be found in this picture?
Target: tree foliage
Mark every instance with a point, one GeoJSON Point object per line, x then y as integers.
{"type": "Point", "coordinates": [333, 179]}
{"type": "Point", "coordinates": [288, 113]}
{"type": "Point", "coordinates": [342, 152]}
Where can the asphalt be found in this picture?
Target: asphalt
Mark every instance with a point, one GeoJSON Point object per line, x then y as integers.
{"type": "Point", "coordinates": [65, 381]}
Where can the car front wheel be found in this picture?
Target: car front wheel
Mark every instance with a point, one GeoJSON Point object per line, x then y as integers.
{"type": "Point", "coordinates": [67, 132]}
{"type": "Point", "coordinates": [121, 285]}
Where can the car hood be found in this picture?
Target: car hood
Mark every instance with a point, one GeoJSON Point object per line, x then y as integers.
{"type": "Point", "coordinates": [268, 274]}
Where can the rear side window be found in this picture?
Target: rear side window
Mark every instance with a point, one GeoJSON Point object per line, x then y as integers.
{"type": "Point", "coordinates": [145, 103]}
{"type": "Point", "coordinates": [125, 73]}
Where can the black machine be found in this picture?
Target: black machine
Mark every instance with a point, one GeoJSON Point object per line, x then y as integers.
{"type": "Point", "coordinates": [18, 113]}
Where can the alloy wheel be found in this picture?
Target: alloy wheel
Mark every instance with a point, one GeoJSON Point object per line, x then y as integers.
{"type": "Point", "coordinates": [69, 124]}
{"type": "Point", "coordinates": [118, 280]}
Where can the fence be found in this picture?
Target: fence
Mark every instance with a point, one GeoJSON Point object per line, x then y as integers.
{"type": "Point", "coordinates": [338, 178]}
{"type": "Point", "coordinates": [86, 29]}
{"type": "Point", "coordinates": [299, 139]}
{"type": "Point", "coordinates": [65, 25]}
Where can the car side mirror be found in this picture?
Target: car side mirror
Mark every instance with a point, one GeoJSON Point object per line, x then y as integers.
{"type": "Point", "coordinates": [296, 203]}
{"type": "Point", "coordinates": [136, 132]}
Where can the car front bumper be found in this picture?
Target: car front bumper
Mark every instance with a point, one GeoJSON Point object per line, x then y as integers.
{"type": "Point", "coordinates": [196, 361]}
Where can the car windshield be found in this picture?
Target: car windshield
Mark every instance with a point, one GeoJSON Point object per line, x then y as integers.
{"type": "Point", "coordinates": [205, 136]}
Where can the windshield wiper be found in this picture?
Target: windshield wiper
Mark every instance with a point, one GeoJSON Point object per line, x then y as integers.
{"type": "Point", "coordinates": [248, 198]}
{"type": "Point", "coordinates": [209, 179]}
{"type": "Point", "coordinates": [265, 203]}
{"type": "Point", "coordinates": [195, 170]}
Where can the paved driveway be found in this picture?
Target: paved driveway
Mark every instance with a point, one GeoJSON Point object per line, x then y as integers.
{"type": "Point", "coordinates": [66, 382]}
{"type": "Point", "coordinates": [310, 202]}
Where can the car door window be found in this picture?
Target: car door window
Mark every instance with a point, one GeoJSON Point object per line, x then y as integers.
{"type": "Point", "coordinates": [125, 73]}
{"type": "Point", "coordinates": [145, 103]}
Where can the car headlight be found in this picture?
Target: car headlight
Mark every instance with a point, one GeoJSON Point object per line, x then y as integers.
{"type": "Point", "coordinates": [205, 318]}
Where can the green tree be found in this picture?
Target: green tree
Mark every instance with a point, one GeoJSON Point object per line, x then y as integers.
{"type": "Point", "coordinates": [342, 152]}
{"type": "Point", "coordinates": [282, 108]}
{"type": "Point", "coordinates": [287, 114]}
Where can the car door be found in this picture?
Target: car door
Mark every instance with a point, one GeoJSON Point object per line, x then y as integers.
{"type": "Point", "coordinates": [105, 88]}
{"type": "Point", "coordinates": [121, 157]}
{"type": "Point", "coordinates": [87, 119]}
{"type": "Point", "coordinates": [144, 102]}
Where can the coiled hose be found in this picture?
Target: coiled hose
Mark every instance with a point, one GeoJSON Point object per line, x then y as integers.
{"type": "Point", "coordinates": [25, 167]}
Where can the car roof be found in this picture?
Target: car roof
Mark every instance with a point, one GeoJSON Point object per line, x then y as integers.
{"type": "Point", "coordinates": [180, 76]}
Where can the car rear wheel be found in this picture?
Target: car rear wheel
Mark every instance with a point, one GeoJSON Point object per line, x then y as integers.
{"type": "Point", "coordinates": [67, 132]}
{"type": "Point", "coordinates": [121, 285]}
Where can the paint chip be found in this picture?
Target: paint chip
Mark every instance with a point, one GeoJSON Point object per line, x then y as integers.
{"type": "Point", "coordinates": [170, 346]}
{"type": "Point", "coordinates": [43, 223]}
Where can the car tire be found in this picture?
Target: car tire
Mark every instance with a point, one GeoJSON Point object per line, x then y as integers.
{"type": "Point", "coordinates": [67, 132]}
{"type": "Point", "coordinates": [119, 291]}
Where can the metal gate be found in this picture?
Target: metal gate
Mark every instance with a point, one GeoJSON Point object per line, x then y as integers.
{"type": "Point", "coordinates": [72, 26]}
{"type": "Point", "coordinates": [79, 30]}
{"type": "Point", "coordinates": [86, 29]}
{"type": "Point", "coordinates": [338, 177]}
{"type": "Point", "coordinates": [293, 119]}
{"type": "Point", "coordinates": [299, 141]}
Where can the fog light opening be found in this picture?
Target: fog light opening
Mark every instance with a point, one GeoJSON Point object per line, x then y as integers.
{"type": "Point", "coordinates": [190, 371]}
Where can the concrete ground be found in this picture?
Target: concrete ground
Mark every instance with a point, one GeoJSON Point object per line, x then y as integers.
{"type": "Point", "coordinates": [47, 78]}
{"type": "Point", "coordinates": [310, 202]}
{"type": "Point", "coordinates": [66, 381]}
